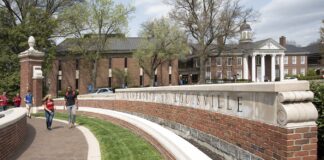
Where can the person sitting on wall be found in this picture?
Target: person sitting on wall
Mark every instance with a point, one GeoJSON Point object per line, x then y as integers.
{"type": "Point", "coordinates": [17, 100]}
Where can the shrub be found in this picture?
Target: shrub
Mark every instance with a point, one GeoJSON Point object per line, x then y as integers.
{"type": "Point", "coordinates": [318, 101]}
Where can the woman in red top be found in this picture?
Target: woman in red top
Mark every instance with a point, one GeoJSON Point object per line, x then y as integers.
{"type": "Point", "coordinates": [17, 100]}
{"type": "Point", "coordinates": [49, 110]}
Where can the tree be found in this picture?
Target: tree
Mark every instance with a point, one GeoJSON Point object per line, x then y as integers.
{"type": "Point", "coordinates": [20, 19]}
{"type": "Point", "coordinates": [322, 43]}
{"type": "Point", "coordinates": [123, 78]}
{"type": "Point", "coordinates": [209, 22]}
{"type": "Point", "coordinates": [102, 18]}
{"type": "Point", "coordinates": [163, 42]}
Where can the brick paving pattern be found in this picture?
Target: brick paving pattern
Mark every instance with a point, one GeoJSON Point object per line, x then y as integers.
{"type": "Point", "coordinates": [59, 143]}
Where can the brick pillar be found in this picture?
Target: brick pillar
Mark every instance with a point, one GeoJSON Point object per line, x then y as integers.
{"type": "Point", "coordinates": [30, 72]}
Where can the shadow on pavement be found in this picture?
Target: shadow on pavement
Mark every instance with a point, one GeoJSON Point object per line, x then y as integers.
{"type": "Point", "coordinates": [31, 133]}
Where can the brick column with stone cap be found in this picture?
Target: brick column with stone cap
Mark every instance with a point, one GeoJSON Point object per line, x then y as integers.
{"type": "Point", "coordinates": [30, 72]}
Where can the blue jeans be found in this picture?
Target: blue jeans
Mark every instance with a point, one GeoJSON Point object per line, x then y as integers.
{"type": "Point", "coordinates": [49, 118]}
{"type": "Point", "coordinates": [71, 114]}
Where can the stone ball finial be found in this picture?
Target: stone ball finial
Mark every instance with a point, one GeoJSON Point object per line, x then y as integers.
{"type": "Point", "coordinates": [31, 42]}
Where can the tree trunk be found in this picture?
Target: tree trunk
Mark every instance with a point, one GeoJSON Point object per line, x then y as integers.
{"type": "Point", "coordinates": [152, 76]}
{"type": "Point", "coordinates": [94, 73]}
{"type": "Point", "coordinates": [202, 70]}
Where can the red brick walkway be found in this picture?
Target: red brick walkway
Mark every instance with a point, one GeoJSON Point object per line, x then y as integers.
{"type": "Point", "coordinates": [59, 143]}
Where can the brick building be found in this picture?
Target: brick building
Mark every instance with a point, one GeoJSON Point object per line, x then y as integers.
{"type": "Point", "coordinates": [73, 69]}
{"type": "Point", "coordinates": [264, 60]}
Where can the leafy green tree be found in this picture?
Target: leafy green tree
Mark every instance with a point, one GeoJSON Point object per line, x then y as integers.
{"type": "Point", "coordinates": [20, 19]}
{"type": "Point", "coordinates": [102, 18]}
{"type": "Point", "coordinates": [123, 77]}
{"type": "Point", "coordinates": [209, 22]}
{"type": "Point", "coordinates": [163, 42]}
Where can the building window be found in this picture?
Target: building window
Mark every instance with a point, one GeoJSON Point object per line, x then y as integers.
{"type": "Point", "coordinates": [59, 65]}
{"type": "Point", "coordinates": [286, 60]}
{"type": "Point", "coordinates": [196, 63]}
{"type": "Point", "coordinates": [302, 60]}
{"type": "Point", "coordinates": [125, 62]}
{"type": "Point", "coordinates": [208, 74]}
{"type": "Point", "coordinates": [239, 61]}
{"type": "Point", "coordinates": [59, 82]}
{"type": "Point", "coordinates": [219, 75]}
{"type": "Point", "coordinates": [110, 63]}
{"type": "Point", "coordinates": [109, 81]}
{"type": "Point", "coordinates": [239, 74]}
{"type": "Point", "coordinates": [170, 79]}
{"type": "Point", "coordinates": [294, 71]}
{"type": "Point", "coordinates": [141, 81]}
{"type": "Point", "coordinates": [77, 61]}
{"type": "Point", "coordinates": [286, 72]}
{"type": "Point", "coordinates": [277, 60]}
{"type": "Point", "coordinates": [229, 61]}
{"type": "Point", "coordinates": [76, 83]}
{"type": "Point", "coordinates": [258, 60]}
{"type": "Point", "coordinates": [303, 71]}
{"type": "Point", "coordinates": [229, 75]}
{"type": "Point", "coordinates": [293, 59]}
{"type": "Point", "coordinates": [218, 61]}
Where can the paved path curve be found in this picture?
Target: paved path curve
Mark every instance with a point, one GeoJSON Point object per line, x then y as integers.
{"type": "Point", "coordinates": [59, 143]}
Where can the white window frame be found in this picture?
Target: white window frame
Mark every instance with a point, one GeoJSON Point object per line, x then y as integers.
{"type": "Point", "coordinates": [239, 59]}
{"type": "Point", "coordinates": [229, 77]}
{"type": "Point", "coordinates": [221, 75]}
{"type": "Point", "coordinates": [286, 71]}
{"type": "Point", "coordinates": [239, 72]}
{"type": "Point", "coordinates": [303, 71]}
{"type": "Point", "coordinates": [294, 71]}
{"type": "Point", "coordinates": [286, 60]}
{"type": "Point", "coordinates": [228, 61]}
{"type": "Point", "coordinates": [208, 73]}
{"type": "Point", "coordinates": [220, 61]}
{"type": "Point", "coordinates": [293, 60]}
{"type": "Point", "coordinates": [302, 59]}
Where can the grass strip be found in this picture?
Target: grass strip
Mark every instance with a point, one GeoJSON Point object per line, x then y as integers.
{"type": "Point", "coordinates": [116, 143]}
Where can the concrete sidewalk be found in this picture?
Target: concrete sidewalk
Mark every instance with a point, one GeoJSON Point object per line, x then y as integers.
{"type": "Point", "coordinates": [59, 143]}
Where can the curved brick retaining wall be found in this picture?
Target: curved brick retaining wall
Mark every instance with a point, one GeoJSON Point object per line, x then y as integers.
{"type": "Point", "coordinates": [13, 130]}
{"type": "Point", "coordinates": [235, 137]}
{"type": "Point", "coordinates": [240, 121]}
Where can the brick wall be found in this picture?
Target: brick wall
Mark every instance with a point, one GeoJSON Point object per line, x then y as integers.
{"type": "Point", "coordinates": [263, 140]}
{"type": "Point", "coordinates": [11, 137]}
{"type": "Point", "coordinates": [69, 73]}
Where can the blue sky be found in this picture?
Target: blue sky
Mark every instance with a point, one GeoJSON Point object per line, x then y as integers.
{"type": "Point", "coordinates": [298, 20]}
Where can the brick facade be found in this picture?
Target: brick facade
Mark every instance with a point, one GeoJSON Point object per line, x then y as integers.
{"type": "Point", "coordinates": [11, 137]}
{"type": "Point", "coordinates": [260, 139]}
{"type": "Point", "coordinates": [68, 69]}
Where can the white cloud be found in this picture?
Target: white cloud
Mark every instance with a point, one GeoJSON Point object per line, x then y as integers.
{"type": "Point", "coordinates": [297, 20]}
{"type": "Point", "coordinates": [158, 10]}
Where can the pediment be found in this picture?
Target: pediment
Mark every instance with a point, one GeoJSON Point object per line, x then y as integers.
{"type": "Point", "coordinates": [270, 44]}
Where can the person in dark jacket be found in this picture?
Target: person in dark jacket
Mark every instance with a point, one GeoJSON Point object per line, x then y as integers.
{"type": "Point", "coordinates": [71, 104]}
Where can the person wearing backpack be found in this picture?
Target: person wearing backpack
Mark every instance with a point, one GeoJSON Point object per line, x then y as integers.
{"type": "Point", "coordinates": [71, 105]}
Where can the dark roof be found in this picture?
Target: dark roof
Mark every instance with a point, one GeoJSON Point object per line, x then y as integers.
{"type": "Point", "coordinates": [245, 26]}
{"type": "Point", "coordinates": [313, 48]}
{"type": "Point", "coordinates": [292, 48]}
{"type": "Point", "coordinates": [112, 45]}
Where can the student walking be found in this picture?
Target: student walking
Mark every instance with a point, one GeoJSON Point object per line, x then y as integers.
{"type": "Point", "coordinates": [3, 101]}
{"type": "Point", "coordinates": [17, 100]}
{"type": "Point", "coordinates": [49, 110]}
{"type": "Point", "coordinates": [71, 105]}
{"type": "Point", "coordinates": [29, 102]}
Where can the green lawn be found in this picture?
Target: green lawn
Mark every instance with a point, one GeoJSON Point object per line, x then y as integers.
{"type": "Point", "coordinates": [116, 143]}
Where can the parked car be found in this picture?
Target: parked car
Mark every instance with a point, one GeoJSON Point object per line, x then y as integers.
{"type": "Point", "coordinates": [103, 91]}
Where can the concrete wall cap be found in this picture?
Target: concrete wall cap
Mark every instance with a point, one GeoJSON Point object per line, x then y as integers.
{"type": "Point", "coordinates": [242, 87]}
{"type": "Point", "coordinates": [12, 116]}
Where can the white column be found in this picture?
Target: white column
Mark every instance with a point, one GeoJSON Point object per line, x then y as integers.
{"type": "Point", "coordinates": [245, 67]}
{"type": "Point", "coordinates": [273, 67]}
{"type": "Point", "coordinates": [253, 68]}
{"type": "Point", "coordinates": [262, 68]}
{"type": "Point", "coordinates": [282, 69]}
